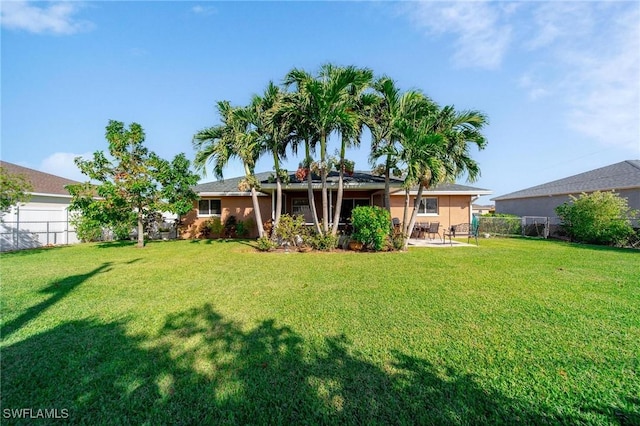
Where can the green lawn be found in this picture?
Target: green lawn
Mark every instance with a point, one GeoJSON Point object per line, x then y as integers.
{"type": "Point", "coordinates": [511, 332]}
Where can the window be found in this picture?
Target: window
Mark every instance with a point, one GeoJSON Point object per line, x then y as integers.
{"type": "Point", "coordinates": [348, 204]}
{"type": "Point", "coordinates": [209, 208]}
{"type": "Point", "coordinates": [428, 206]}
{"type": "Point", "coordinates": [300, 206]}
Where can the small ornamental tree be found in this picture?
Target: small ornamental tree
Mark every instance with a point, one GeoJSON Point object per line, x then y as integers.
{"type": "Point", "coordinates": [14, 189]}
{"type": "Point", "coordinates": [597, 218]}
{"type": "Point", "coordinates": [133, 183]}
{"type": "Point", "coordinates": [371, 226]}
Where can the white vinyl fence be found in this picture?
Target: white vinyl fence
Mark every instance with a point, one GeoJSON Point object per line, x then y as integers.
{"type": "Point", "coordinates": [31, 228]}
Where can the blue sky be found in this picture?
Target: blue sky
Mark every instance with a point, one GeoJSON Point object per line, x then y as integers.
{"type": "Point", "coordinates": [560, 81]}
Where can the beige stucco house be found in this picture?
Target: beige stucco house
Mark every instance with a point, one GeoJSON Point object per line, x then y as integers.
{"type": "Point", "coordinates": [448, 204]}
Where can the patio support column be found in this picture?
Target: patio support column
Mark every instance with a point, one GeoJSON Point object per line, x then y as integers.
{"type": "Point", "coordinates": [273, 206]}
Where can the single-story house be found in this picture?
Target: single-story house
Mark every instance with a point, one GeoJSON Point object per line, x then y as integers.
{"type": "Point", "coordinates": [44, 219]}
{"type": "Point", "coordinates": [448, 204]}
{"type": "Point", "coordinates": [541, 200]}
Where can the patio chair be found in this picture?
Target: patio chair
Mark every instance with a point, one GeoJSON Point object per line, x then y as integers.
{"type": "Point", "coordinates": [462, 229]}
{"type": "Point", "coordinates": [420, 229]}
{"type": "Point", "coordinates": [434, 228]}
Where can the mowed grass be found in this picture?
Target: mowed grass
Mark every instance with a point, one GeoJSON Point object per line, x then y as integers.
{"type": "Point", "coordinates": [511, 332]}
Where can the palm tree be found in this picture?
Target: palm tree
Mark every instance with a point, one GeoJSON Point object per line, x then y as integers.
{"type": "Point", "coordinates": [274, 132]}
{"type": "Point", "coordinates": [359, 112]}
{"type": "Point", "coordinates": [438, 150]}
{"type": "Point", "coordinates": [328, 105]}
{"type": "Point", "coordinates": [392, 108]}
{"type": "Point", "coordinates": [235, 137]}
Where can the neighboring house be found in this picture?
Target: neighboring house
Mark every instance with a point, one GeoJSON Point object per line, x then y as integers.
{"type": "Point", "coordinates": [479, 209]}
{"type": "Point", "coordinates": [448, 204]}
{"type": "Point", "coordinates": [541, 200]}
{"type": "Point", "coordinates": [44, 219]}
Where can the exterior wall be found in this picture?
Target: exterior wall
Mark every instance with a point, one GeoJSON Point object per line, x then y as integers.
{"type": "Point", "coordinates": [545, 206]}
{"type": "Point", "coordinates": [239, 206]}
{"type": "Point", "coordinates": [452, 209]}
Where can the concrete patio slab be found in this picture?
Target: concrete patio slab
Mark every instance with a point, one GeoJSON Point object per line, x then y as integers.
{"type": "Point", "coordinates": [419, 242]}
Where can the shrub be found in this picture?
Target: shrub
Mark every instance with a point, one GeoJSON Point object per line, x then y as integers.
{"type": "Point", "coordinates": [322, 242]}
{"type": "Point", "coordinates": [87, 229]}
{"type": "Point", "coordinates": [265, 244]}
{"type": "Point", "coordinates": [597, 218]}
{"type": "Point", "coordinates": [371, 226]}
{"type": "Point", "coordinates": [230, 226]}
{"type": "Point", "coordinates": [290, 229]}
{"type": "Point", "coordinates": [210, 228]}
{"type": "Point", "coordinates": [241, 229]}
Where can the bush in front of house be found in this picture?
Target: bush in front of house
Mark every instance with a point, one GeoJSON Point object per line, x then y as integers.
{"type": "Point", "coordinates": [598, 218]}
{"type": "Point", "coordinates": [371, 226]}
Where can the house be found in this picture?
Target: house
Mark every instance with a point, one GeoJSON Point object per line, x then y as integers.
{"type": "Point", "coordinates": [44, 219]}
{"type": "Point", "coordinates": [541, 200]}
{"type": "Point", "coordinates": [447, 204]}
{"type": "Point", "coordinates": [480, 209]}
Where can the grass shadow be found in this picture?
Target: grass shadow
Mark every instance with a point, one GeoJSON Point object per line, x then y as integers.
{"type": "Point", "coordinates": [204, 369]}
{"type": "Point", "coordinates": [57, 291]}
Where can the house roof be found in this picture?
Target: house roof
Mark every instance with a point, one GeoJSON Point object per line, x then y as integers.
{"type": "Point", "coordinates": [623, 175]}
{"type": "Point", "coordinates": [42, 183]}
{"type": "Point", "coordinates": [359, 180]}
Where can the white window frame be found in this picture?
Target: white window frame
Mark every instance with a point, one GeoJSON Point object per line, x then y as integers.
{"type": "Point", "coordinates": [209, 200]}
{"type": "Point", "coordinates": [423, 202]}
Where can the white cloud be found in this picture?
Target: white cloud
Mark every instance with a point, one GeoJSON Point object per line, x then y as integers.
{"type": "Point", "coordinates": [54, 18]}
{"type": "Point", "coordinates": [594, 58]}
{"type": "Point", "coordinates": [61, 164]}
{"type": "Point", "coordinates": [204, 10]}
{"type": "Point", "coordinates": [583, 56]}
{"type": "Point", "coordinates": [482, 35]}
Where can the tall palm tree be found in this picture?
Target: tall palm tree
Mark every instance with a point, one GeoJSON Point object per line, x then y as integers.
{"type": "Point", "coordinates": [275, 133]}
{"type": "Point", "coordinates": [295, 110]}
{"type": "Point", "coordinates": [392, 107]}
{"type": "Point", "coordinates": [362, 103]}
{"type": "Point", "coordinates": [234, 137]}
{"type": "Point", "coordinates": [438, 150]}
{"type": "Point", "coordinates": [327, 102]}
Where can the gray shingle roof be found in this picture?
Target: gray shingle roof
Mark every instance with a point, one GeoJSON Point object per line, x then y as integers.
{"type": "Point", "coordinates": [43, 183]}
{"type": "Point", "coordinates": [623, 175]}
{"type": "Point", "coordinates": [228, 186]}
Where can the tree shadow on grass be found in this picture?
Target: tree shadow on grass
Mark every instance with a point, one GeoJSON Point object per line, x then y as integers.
{"type": "Point", "coordinates": [57, 291]}
{"type": "Point", "coordinates": [204, 369]}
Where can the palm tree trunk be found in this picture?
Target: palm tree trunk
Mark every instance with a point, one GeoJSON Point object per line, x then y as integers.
{"type": "Point", "coordinates": [324, 171]}
{"type": "Point", "coordinates": [336, 215]}
{"type": "Point", "coordinates": [312, 198]}
{"type": "Point", "coordinates": [387, 190]}
{"type": "Point", "coordinates": [276, 164]}
{"type": "Point", "coordinates": [312, 203]}
{"type": "Point", "coordinates": [405, 214]}
{"type": "Point", "coordinates": [414, 214]}
{"type": "Point", "coordinates": [256, 204]}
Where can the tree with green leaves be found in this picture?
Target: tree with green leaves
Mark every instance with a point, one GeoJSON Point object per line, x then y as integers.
{"type": "Point", "coordinates": [236, 137]}
{"type": "Point", "coordinates": [438, 150]}
{"type": "Point", "coordinates": [132, 183]}
{"type": "Point", "coordinates": [14, 189]}
{"type": "Point", "coordinates": [328, 101]}
{"type": "Point", "coordinates": [392, 108]}
{"type": "Point", "coordinates": [275, 134]}
{"type": "Point", "coordinates": [601, 217]}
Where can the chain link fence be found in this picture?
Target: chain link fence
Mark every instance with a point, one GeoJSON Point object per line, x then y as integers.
{"type": "Point", "coordinates": [526, 226]}
{"type": "Point", "coordinates": [21, 235]}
